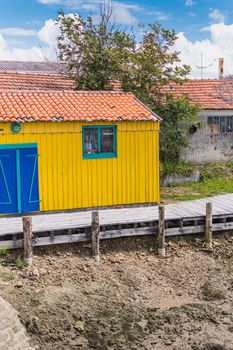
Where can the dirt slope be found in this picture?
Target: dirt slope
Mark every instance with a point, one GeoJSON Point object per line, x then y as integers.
{"type": "Point", "coordinates": [130, 300]}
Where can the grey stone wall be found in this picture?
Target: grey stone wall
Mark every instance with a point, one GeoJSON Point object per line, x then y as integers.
{"type": "Point", "coordinates": [179, 179]}
{"type": "Point", "coordinates": [205, 147]}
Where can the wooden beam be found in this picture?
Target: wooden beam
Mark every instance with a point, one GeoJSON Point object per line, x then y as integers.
{"type": "Point", "coordinates": [161, 231]}
{"type": "Point", "coordinates": [95, 230]}
{"type": "Point", "coordinates": [27, 234]}
{"type": "Point", "coordinates": [127, 232]}
{"type": "Point", "coordinates": [209, 226]}
{"type": "Point", "coordinates": [108, 234]}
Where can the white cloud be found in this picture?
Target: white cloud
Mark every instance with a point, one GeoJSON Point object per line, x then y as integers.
{"type": "Point", "coordinates": [192, 14]}
{"type": "Point", "coordinates": [46, 48]}
{"type": "Point", "coordinates": [219, 45]}
{"type": "Point", "coordinates": [48, 33]}
{"type": "Point", "coordinates": [160, 16]}
{"type": "Point", "coordinates": [51, 2]}
{"type": "Point", "coordinates": [122, 13]}
{"type": "Point", "coordinates": [217, 15]}
{"type": "Point", "coordinates": [15, 31]}
{"type": "Point", "coordinates": [205, 29]}
{"type": "Point", "coordinates": [189, 2]}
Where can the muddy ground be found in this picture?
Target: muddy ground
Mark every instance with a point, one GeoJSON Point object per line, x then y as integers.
{"type": "Point", "coordinates": [131, 299]}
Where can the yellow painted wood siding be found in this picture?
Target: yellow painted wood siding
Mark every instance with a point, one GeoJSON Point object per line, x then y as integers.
{"type": "Point", "coordinates": [68, 181]}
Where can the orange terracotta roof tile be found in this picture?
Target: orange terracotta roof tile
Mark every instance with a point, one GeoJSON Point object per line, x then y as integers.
{"type": "Point", "coordinates": [72, 106]}
{"type": "Point", "coordinates": [34, 81]}
{"type": "Point", "coordinates": [209, 93]}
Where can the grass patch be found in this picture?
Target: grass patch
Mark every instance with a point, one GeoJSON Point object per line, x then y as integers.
{"type": "Point", "coordinates": [20, 263]}
{"type": "Point", "coordinates": [6, 276]}
{"type": "Point", "coordinates": [4, 251]}
{"type": "Point", "coordinates": [182, 168]}
{"type": "Point", "coordinates": [215, 179]}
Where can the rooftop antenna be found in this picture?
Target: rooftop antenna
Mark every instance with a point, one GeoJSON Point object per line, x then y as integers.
{"type": "Point", "coordinates": [201, 67]}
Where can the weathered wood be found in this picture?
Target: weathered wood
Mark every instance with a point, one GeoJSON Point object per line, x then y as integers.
{"type": "Point", "coordinates": [208, 226]}
{"type": "Point", "coordinates": [73, 220]}
{"type": "Point", "coordinates": [52, 235]}
{"type": "Point", "coordinates": [161, 231]}
{"type": "Point", "coordinates": [108, 234]}
{"type": "Point", "coordinates": [95, 230]}
{"type": "Point", "coordinates": [127, 232]}
{"type": "Point", "coordinates": [27, 237]}
{"type": "Point", "coordinates": [117, 218]}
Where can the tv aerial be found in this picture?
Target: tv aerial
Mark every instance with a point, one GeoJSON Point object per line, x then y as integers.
{"type": "Point", "coordinates": [201, 67]}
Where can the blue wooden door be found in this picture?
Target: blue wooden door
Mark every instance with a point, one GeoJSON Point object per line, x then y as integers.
{"type": "Point", "coordinates": [29, 180]}
{"type": "Point", "coordinates": [8, 181]}
{"type": "Point", "coordinates": [19, 190]}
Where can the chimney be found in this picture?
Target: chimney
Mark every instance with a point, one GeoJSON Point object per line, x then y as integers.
{"type": "Point", "coordinates": [114, 85]}
{"type": "Point", "coordinates": [220, 68]}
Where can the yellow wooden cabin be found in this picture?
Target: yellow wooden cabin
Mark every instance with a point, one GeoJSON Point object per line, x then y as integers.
{"type": "Point", "coordinates": [72, 150]}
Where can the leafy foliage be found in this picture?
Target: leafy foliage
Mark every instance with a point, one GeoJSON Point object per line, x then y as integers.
{"type": "Point", "coordinates": [178, 116]}
{"type": "Point", "coordinates": [97, 52]}
{"type": "Point", "coordinates": [183, 168]}
{"type": "Point", "coordinates": [94, 52]}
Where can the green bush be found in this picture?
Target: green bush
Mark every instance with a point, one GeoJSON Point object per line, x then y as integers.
{"type": "Point", "coordinates": [181, 168]}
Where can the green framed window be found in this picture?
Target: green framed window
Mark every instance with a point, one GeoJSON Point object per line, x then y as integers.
{"type": "Point", "coordinates": [99, 141]}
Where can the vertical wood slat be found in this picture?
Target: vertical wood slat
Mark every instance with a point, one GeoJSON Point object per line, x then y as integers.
{"type": "Point", "coordinates": [120, 180]}
{"type": "Point", "coordinates": [27, 234]}
{"type": "Point", "coordinates": [161, 231]}
{"type": "Point", "coordinates": [95, 230]}
{"type": "Point", "coordinates": [209, 226]}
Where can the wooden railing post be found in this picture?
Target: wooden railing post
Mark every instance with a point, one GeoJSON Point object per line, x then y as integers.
{"type": "Point", "coordinates": [95, 230]}
{"type": "Point", "coordinates": [208, 226]}
{"type": "Point", "coordinates": [27, 234]}
{"type": "Point", "coordinates": [161, 231]}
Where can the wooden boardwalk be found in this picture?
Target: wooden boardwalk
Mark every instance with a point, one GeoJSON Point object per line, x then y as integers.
{"type": "Point", "coordinates": [181, 218]}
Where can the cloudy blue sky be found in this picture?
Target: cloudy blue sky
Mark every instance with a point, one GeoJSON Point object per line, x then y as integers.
{"type": "Point", "coordinates": [28, 32]}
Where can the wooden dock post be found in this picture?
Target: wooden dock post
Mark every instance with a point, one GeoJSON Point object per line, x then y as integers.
{"type": "Point", "coordinates": [95, 230]}
{"type": "Point", "coordinates": [161, 231]}
{"type": "Point", "coordinates": [208, 226]}
{"type": "Point", "coordinates": [27, 234]}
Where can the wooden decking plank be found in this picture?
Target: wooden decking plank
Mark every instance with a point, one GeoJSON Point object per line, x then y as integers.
{"type": "Point", "coordinates": [226, 206]}
{"type": "Point", "coordinates": [183, 212]}
{"type": "Point", "coordinates": [222, 205]}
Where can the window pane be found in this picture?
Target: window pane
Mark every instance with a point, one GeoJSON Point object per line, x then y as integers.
{"type": "Point", "coordinates": [230, 124]}
{"type": "Point", "coordinates": [107, 140]}
{"type": "Point", "coordinates": [91, 141]}
{"type": "Point", "coordinates": [223, 124]}
{"type": "Point", "coordinates": [213, 125]}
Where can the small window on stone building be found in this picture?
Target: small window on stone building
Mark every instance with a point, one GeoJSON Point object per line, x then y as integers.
{"type": "Point", "coordinates": [219, 124]}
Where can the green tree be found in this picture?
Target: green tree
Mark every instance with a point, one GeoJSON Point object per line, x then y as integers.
{"type": "Point", "coordinates": [97, 52]}
{"type": "Point", "coordinates": [179, 115]}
